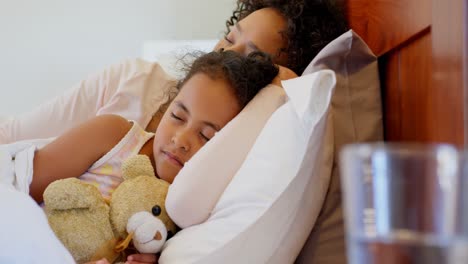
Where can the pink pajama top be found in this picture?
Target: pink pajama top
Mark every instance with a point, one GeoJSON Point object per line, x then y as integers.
{"type": "Point", "coordinates": [106, 173]}
{"type": "Point", "coordinates": [133, 89]}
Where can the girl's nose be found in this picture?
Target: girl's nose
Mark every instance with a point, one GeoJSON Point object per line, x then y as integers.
{"type": "Point", "coordinates": [181, 140]}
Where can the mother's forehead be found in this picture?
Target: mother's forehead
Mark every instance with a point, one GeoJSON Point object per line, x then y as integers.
{"type": "Point", "coordinates": [261, 30]}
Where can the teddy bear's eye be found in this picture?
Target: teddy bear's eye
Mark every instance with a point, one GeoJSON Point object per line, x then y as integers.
{"type": "Point", "coordinates": [156, 210]}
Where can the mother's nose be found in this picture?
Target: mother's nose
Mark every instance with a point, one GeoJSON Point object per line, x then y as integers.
{"type": "Point", "coordinates": [236, 48]}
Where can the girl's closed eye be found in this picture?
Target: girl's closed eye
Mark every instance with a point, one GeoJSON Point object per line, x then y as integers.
{"type": "Point", "coordinates": [207, 134]}
{"type": "Point", "coordinates": [176, 117]}
{"type": "Point", "coordinates": [205, 138]}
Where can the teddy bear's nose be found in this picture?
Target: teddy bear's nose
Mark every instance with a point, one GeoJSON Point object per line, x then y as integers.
{"type": "Point", "coordinates": [158, 236]}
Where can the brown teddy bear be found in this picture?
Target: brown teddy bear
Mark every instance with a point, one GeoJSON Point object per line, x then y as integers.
{"type": "Point", "coordinates": [92, 228]}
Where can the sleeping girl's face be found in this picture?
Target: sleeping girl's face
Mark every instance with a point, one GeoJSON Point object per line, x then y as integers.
{"type": "Point", "coordinates": [203, 106]}
{"type": "Point", "coordinates": [260, 30]}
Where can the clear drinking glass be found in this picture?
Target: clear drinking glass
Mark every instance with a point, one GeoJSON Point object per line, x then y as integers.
{"type": "Point", "coordinates": [404, 204]}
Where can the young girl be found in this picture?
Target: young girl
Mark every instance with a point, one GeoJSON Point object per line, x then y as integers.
{"type": "Point", "coordinates": [217, 86]}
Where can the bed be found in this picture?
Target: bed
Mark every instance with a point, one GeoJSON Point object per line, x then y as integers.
{"type": "Point", "coordinates": [422, 49]}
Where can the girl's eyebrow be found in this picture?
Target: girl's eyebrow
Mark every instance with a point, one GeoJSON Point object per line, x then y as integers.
{"type": "Point", "coordinates": [215, 127]}
{"type": "Point", "coordinates": [185, 109]}
{"type": "Point", "coordinates": [181, 105]}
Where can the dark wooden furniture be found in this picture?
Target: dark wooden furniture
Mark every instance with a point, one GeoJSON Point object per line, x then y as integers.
{"type": "Point", "coordinates": [423, 54]}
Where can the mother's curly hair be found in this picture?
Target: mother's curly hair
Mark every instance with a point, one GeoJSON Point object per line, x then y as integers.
{"type": "Point", "coordinates": [311, 25]}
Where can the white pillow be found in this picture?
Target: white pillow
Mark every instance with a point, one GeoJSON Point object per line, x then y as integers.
{"type": "Point", "coordinates": [256, 213]}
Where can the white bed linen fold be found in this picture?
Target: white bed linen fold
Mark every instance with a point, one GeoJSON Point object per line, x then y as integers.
{"type": "Point", "coordinates": [16, 163]}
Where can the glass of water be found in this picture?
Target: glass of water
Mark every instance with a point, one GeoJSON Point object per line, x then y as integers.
{"type": "Point", "coordinates": [404, 204]}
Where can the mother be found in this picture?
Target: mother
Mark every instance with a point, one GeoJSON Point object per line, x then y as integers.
{"type": "Point", "coordinates": [292, 31]}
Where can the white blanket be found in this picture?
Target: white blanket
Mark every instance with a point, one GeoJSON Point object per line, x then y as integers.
{"type": "Point", "coordinates": [26, 235]}
{"type": "Point", "coordinates": [16, 163]}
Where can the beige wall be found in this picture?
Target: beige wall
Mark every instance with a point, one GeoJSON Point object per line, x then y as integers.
{"type": "Point", "coordinates": [46, 46]}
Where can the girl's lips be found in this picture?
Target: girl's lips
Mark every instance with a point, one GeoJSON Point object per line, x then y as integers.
{"type": "Point", "coordinates": [173, 159]}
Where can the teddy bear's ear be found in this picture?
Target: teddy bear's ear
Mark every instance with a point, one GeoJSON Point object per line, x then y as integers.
{"type": "Point", "coordinates": [137, 165]}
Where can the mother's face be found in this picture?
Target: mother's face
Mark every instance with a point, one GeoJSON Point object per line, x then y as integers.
{"type": "Point", "coordinates": [261, 30]}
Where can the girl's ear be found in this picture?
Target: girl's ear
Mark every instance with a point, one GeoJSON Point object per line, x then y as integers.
{"type": "Point", "coordinates": [137, 165]}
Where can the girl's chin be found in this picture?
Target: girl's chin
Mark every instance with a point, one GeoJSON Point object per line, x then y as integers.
{"type": "Point", "coordinates": [167, 173]}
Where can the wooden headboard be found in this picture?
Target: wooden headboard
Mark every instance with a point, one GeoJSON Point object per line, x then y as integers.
{"type": "Point", "coordinates": [423, 55]}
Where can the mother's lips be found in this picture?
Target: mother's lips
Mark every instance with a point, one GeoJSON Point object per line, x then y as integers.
{"type": "Point", "coordinates": [173, 158]}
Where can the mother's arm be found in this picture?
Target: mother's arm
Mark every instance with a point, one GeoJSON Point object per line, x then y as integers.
{"type": "Point", "coordinates": [132, 89]}
{"type": "Point", "coordinates": [63, 112]}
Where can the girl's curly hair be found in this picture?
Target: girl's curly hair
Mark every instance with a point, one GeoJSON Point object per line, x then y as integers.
{"type": "Point", "coordinates": [311, 25]}
{"type": "Point", "coordinates": [247, 75]}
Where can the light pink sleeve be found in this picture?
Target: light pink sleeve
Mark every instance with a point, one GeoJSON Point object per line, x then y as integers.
{"type": "Point", "coordinates": [133, 89]}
